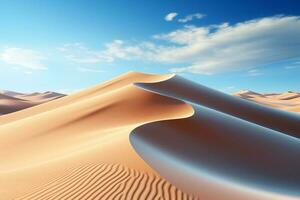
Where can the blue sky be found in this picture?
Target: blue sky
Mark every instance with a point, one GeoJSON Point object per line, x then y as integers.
{"type": "Point", "coordinates": [228, 45]}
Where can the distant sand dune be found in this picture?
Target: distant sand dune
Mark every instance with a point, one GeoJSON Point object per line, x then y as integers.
{"type": "Point", "coordinates": [289, 101]}
{"type": "Point", "coordinates": [13, 101]}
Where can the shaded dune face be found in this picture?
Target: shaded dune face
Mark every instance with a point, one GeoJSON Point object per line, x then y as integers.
{"type": "Point", "coordinates": [215, 152]}
{"type": "Point", "coordinates": [224, 147]}
{"type": "Point", "coordinates": [9, 104]}
{"type": "Point", "coordinates": [180, 88]}
{"type": "Point", "coordinates": [12, 101]}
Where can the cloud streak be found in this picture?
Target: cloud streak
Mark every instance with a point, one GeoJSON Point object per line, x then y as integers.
{"type": "Point", "coordinates": [25, 58]}
{"type": "Point", "coordinates": [169, 17]}
{"type": "Point", "coordinates": [191, 17]}
{"type": "Point", "coordinates": [85, 69]}
{"type": "Point", "coordinates": [211, 49]}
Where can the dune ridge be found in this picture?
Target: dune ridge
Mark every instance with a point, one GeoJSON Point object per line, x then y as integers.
{"type": "Point", "coordinates": [142, 136]}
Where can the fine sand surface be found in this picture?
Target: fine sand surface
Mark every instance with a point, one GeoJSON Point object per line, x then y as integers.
{"type": "Point", "coordinates": [77, 147]}
{"type": "Point", "coordinates": [289, 101]}
{"type": "Point", "coordinates": [13, 101]}
{"type": "Point", "coordinates": [142, 136]}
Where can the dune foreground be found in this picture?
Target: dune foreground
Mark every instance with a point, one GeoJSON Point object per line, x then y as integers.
{"type": "Point", "coordinates": [142, 136]}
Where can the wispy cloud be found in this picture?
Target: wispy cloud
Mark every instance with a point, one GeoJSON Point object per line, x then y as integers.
{"type": "Point", "coordinates": [191, 17]}
{"type": "Point", "coordinates": [294, 65]}
{"type": "Point", "coordinates": [86, 69]}
{"type": "Point", "coordinates": [24, 58]}
{"type": "Point", "coordinates": [229, 89]}
{"type": "Point", "coordinates": [211, 49]}
{"type": "Point", "coordinates": [254, 72]}
{"type": "Point", "coordinates": [116, 49]}
{"type": "Point", "coordinates": [67, 90]}
{"type": "Point", "coordinates": [169, 17]}
{"type": "Point", "coordinates": [79, 53]}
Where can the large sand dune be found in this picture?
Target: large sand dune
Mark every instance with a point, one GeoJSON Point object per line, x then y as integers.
{"type": "Point", "coordinates": [142, 136]}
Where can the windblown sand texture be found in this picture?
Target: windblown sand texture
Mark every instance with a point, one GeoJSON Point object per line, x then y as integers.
{"type": "Point", "coordinates": [142, 136]}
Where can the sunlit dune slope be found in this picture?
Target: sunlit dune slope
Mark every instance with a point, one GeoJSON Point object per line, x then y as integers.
{"type": "Point", "coordinates": [41, 145]}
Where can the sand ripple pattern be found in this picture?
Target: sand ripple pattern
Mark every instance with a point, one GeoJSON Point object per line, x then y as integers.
{"type": "Point", "coordinates": [107, 181]}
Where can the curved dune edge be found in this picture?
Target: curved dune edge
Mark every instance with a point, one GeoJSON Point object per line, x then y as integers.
{"type": "Point", "coordinates": [40, 145]}
{"type": "Point", "coordinates": [218, 153]}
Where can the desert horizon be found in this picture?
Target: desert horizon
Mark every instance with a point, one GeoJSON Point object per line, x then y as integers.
{"type": "Point", "coordinates": [150, 100]}
{"type": "Point", "coordinates": [12, 101]}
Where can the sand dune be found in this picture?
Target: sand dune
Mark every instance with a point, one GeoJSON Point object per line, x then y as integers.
{"type": "Point", "coordinates": [183, 89]}
{"type": "Point", "coordinates": [41, 144]}
{"type": "Point", "coordinates": [142, 136]}
{"type": "Point", "coordinates": [10, 104]}
{"type": "Point", "coordinates": [289, 101]}
{"type": "Point", "coordinates": [14, 101]}
{"type": "Point", "coordinates": [223, 147]}
{"type": "Point", "coordinates": [40, 97]}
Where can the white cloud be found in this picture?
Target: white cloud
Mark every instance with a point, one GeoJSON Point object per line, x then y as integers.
{"type": "Point", "coordinates": [116, 49]}
{"type": "Point", "coordinates": [191, 17]}
{"type": "Point", "coordinates": [294, 65]}
{"type": "Point", "coordinates": [214, 48]}
{"type": "Point", "coordinates": [225, 47]}
{"type": "Point", "coordinates": [85, 69]}
{"type": "Point", "coordinates": [25, 58]}
{"type": "Point", "coordinates": [79, 53]}
{"type": "Point", "coordinates": [67, 91]}
{"type": "Point", "coordinates": [169, 17]}
{"type": "Point", "coordinates": [254, 72]}
{"type": "Point", "coordinates": [229, 89]}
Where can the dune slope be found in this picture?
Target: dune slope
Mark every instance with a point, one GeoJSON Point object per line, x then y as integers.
{"type": "Point", "coordinates": [77, 147]}
{"type": "Point", "coordinates": [142, 136]}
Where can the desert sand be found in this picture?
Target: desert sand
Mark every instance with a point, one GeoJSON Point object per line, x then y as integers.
{"type": "Point", "coordinates": [143, 136]}
{"type": "Point", "coordinates": [289, 101]}
{"type": "Point", "coordinates": [13, 101]}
